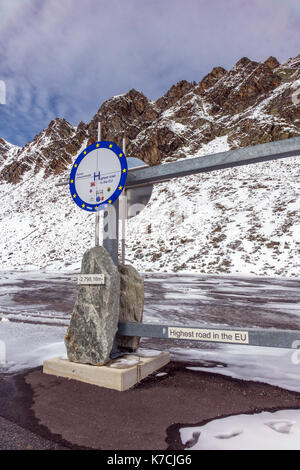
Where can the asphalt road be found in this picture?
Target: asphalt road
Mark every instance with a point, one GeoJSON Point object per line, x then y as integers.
{"type": "Point", "coordinates": [56, 413]}
{"type": "Point", "coordinates": [14, 437]}
{"type": "Point", "coordinates": [44, 412]}
{"type": "Point", "coordinates": [237, 301]}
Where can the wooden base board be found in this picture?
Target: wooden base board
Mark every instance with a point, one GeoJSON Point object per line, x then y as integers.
{"type": "Point", "coordinates": [108, 376]}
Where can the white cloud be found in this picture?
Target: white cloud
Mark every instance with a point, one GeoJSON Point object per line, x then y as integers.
{"type": "Point", "coordinates": [85, 52]}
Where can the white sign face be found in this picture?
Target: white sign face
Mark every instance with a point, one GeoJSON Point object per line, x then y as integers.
{"type": "Point", "coordinates": [98, 176]}
{"type": "Point", "coordinates": [96, 279]}
{"type": "Point", "coordinates": [219, 336]}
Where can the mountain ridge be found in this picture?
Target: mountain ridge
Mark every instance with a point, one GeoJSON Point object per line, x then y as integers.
{"type": "Point", "coordinates": [251, 104]}
{"type": "Point", "coordinates": [242, 220]}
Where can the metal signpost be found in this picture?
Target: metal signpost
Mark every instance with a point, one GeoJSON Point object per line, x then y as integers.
{"type": "Point", "coordinates": [134, 200]}
{"type": "Point", "coordinates": [123, 204]}
{"type": "Point", "coordinates": [97, 220]}
{"type": "Point", "coordinates": [137, 198]}
{"type": "Point", "coordinates": [143, 177]}
{"type": "Point", "coordinates": [97, 180]}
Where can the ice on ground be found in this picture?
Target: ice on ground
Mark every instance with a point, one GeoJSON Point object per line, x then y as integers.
{"type": "Point", "coordinates": [27, 345]}
{"type": "Point", "coordinates": [262, 431]}
{"type": "Point", "coordinates": [38, 323]}
{"type": "Point", "coordinates": [274, 366]}
{"type": "Point", "coordinates": [125, 362]}
{"type": "Point", "coordinates": [147, 352]}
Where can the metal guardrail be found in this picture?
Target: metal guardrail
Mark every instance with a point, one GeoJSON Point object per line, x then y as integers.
{"type": "Point", "coordinates": [274, 338]}
{"type": "Point", "coordinates": [218, 161]}
{"type": "Point", "coordinates": [190, 166]}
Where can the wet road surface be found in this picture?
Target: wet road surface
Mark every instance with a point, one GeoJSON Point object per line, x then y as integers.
{"type": "Point", "coordinates": [169, 298]}
{"type": "Point", "coordinates": [177, 299]}
{"type": "Point", "coordinates": [41, 411]}
{"type": "Point", "coordinates": [174, 299]}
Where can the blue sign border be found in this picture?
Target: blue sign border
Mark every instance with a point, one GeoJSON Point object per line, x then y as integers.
{"type": "Point", "coordinates": [124, 169]}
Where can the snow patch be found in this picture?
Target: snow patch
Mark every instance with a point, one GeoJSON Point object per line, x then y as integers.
{"type": "Point", "coordinates": [262, 431]}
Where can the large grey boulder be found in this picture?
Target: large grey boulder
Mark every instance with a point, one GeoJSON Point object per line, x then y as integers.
{"type": "Point", "coordinates": [131, 303]}
{"type": "Point", "coordinates": [95, 317]}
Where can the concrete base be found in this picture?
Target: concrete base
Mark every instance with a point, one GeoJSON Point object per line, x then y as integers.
{"type": "Point", "coordinates": [120, 374]}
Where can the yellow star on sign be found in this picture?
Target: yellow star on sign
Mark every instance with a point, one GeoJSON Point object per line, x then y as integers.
{"type": "Point", "coordinates": [84, 152]}
{"type": "Point", "coordinates": [124, 171]}
{"type": "Point", "coordinates": [97, 145]}
{"type": "Point", "coordinates": [109, 201]}
{"type": "Point", "coordinates": [75, 165]}
{"type": "Point", "coordinates": [83, 205]}
{"type": "Point", "coordinates": [72, 181]}
{"type": "Point", "coordinates": [74, 195]}
{"type": "Point", "coordinates": [96, 208]}
{"type": "Point", "coordinates": [110, 146]}
{"type": "Point", "coordinates": [120, 187]}
{"type": "Point", "coordinates": [120, 154]}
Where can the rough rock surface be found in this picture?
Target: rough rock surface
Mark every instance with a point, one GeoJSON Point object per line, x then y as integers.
{"type": "Point", "coordinates": [52, 149]}
{"type": "Point", "coordinates": [241, 220]}
{"type": "Point", "coordinates": [95, 317]}
{"type": "Point", "coordinates": [131, 303]}
{"type": "Point", "coordinates": [251, 104]}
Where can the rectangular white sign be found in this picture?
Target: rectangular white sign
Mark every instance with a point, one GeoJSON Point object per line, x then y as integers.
{"type": "Point", "coordinates": [220, 336]}
{"type": "Point", "coordinates": [92, 279]}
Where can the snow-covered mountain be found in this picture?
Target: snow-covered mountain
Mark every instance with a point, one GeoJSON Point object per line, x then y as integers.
{"type": "Point", "coordinates": [241, 220]}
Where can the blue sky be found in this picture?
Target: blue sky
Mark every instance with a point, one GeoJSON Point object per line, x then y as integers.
{"type": "Point", "coordinates": [63, 58]}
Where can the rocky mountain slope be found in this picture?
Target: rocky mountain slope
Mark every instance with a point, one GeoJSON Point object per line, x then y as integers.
{"type": "Point", "coordinates": [241, 220]}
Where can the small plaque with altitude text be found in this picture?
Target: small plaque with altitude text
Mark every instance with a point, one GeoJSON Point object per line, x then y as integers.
{"type": "Point", "coordinates": [91, 279]}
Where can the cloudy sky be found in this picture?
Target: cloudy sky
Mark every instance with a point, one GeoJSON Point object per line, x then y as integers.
{"type": "Point", "coordinates": [63, 58]}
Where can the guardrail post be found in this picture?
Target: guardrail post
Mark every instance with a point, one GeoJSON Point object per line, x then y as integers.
{"type": "Point", "coordinates": [111, 231]}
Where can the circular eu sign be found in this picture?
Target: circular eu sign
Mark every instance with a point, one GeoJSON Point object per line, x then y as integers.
{"type": "Point", "coordinates": [98, 176]}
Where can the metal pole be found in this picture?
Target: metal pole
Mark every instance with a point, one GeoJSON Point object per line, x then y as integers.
{"type": "Point", "coordinates": [219, 161]}
{"type": "Point", "coordinates": [110, 231]}
{"type": "Point", "coordinates": [123, 211]}
{"type": "Point", "coordinates": [112, 244]}
{"type": "Point", "coordinates": [97, 213]}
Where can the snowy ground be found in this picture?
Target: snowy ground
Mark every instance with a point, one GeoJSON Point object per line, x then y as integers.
{"type": "Point", "coordinates": [35, 310]}
{"type": "Point", "coordinates": [262, 431]}
{"type": "Point", "coordinates": [240, 220]}
{"type": "Point", "coordinates": [33, 324]}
